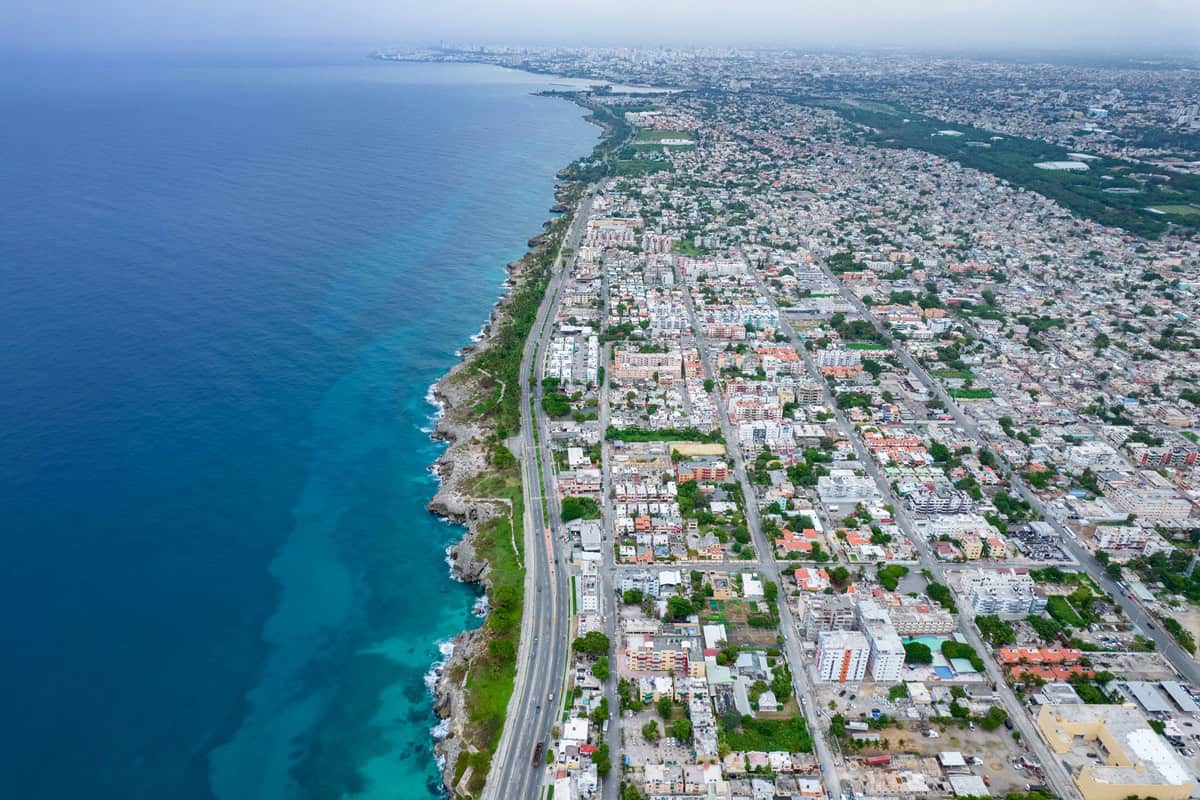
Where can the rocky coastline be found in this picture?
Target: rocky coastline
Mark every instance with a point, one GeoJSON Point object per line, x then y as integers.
{"type": "Point", "coordinates": [465, 460]}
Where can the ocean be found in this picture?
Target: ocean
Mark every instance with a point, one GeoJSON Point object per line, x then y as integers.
{"type": "Point", "coordinates": [225, 291]}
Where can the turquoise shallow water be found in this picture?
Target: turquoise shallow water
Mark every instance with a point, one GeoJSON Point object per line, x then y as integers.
{"type": "Point", "coordinates": [226, 292]}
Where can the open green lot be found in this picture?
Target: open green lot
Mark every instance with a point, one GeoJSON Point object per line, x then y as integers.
{"type": "Point", "coordinates": [648, 135]}
{"type": "Point", "coordinates": [1178, 210]}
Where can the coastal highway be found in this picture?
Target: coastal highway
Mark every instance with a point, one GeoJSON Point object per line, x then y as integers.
{"type": "Point", "coordinates": [1178, 658]}
{"type": "Point", "coordinates": [802, 686]}
{"type": "Point", "coordinates": [545, 622]}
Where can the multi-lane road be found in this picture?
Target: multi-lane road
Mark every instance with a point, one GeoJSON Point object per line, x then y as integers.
{"type": "Point", "coordinates": [1180, 660]}
{"type": "Point", "coordinates": [1056, 774]}
{"type": "Point", "coordinates": [801, 684]}
{"type": "Point", "coordinates": [545, 623]}
{"type": "Point", "coordinates": [537, 698]}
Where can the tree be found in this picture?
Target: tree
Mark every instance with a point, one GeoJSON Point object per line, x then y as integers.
{"type": "Point", "coordinates": [839, 576]}
{"type": "Point", "coordinates": [600, 669]}
{"type": "Point", "coordinates": [650, 731]}
{"type": "Point", "coordinates": [678, 608]}
{"type": "Point", "coordinates": [681, 729]}
{"type": "Point", "coordinates": [633, 597]}
{"type": "Point", "coordinates": [1113, 571]}
{"type": "Point", "coordinates": [593, 643]}
{"type": "Point", "coordinates": [917, 653]}
{"type": "Point", "coordinates": [993, 719]}
{"type": "Point", "coordinates": [602, 759]}
{"type": "Point", "coordinates": [664, 706]}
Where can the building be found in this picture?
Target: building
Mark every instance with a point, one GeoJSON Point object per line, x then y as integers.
{"type": "Point", "coordinates": [1003, 591]}
{"type": "Point", "coordinates": [1122, 537]}
{"type": "Point", "coordinates": [672, 654]}
{"type": "Point", "coordinates": [842, 656]}
{"type": "Point", "coordinates": [827, 612]}
{"type": "Point", "coordinates": [843, 487]}
{"type": "Point", "coordinates": [940, 501]}
{"type": "Point", "coordinates": [706, 469]}
{"type": "Point", "coordinates": [887, 651]}
{"type": "Point", "coordinates": [632, 365]}
{"type": "Point", "coordinates": [1132, 760]}
{"type": "Point", "coordinates": [923, 619]}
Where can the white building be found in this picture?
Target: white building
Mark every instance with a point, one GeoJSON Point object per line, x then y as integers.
{"type": "Point", "coordinates": [842, 656]}
{"type": "Point", "coordinates": [887, 651]}
{"type": "Point", "coordinates": [1003, 591]}
{"type": "Point", "coordinates": [843, 487]}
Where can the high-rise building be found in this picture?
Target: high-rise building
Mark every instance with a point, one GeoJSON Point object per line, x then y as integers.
{"type": "Point", "coordinates": [887, 651]}
{"type": "Point", "coordinates": [827, 612]}
{"type": "Point", "coordinates": [842, 656]}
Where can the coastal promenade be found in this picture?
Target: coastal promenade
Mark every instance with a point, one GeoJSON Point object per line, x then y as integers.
{"type": "Point", "coordinates": [545, 622]}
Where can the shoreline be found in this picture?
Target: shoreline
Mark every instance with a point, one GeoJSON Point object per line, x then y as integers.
{"type": "Point", "coordinates": [471, 441]}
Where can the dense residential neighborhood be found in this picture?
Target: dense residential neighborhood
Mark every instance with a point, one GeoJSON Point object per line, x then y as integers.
{"type": "Point", "coordinates": [876, 467]}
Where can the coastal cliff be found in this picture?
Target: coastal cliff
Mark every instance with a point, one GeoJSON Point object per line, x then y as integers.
{"type": "Point", "coordinates": [481, 486]}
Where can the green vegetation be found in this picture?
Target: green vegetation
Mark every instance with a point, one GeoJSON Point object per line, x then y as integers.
{"type": "Point", "coordinates": [592, 643]}
{"type": "Point", "coordinates": [941, 595]}
{"type": "Point", "coordinates": [579, 508]}
{"type": "Point", "coordinates": [1012, 158]}
{"type": "Point", "coordinates": [917, 653]}
{"type": "Point", "coordinates": [889, 576]}
{"type": "Point", "coordinates": [1181, 634]}
{"type": "Point", "coordinates": [651, 135]}
{"type": "Point", "coordinates": [1046, 628]}
{"type": "Point", "coordinates": [665, 435]}
{"type": "Point", "coordinates": [995, 631]}
{"type": "Point", "coordinates": [971, 394]}
{"type": "Point", "coordinates": [498, 366]}
{"type": "Point", "coordinates": [952, 649]}
{"type": "Point", "coordinates": [490, 679]}
{"type": "Point", "coordinates": [808, 471]}
{"type": "Point", "coordinates": [1061, 611]}
{"type": "Point", "coordinates": [765, 734]}
{"type": "Point", "coordinates": [681, 729]}
{"type": "Point", "coordinates": [1178, 210]}
{"type": "Point", "coordinates": [1169, 570]}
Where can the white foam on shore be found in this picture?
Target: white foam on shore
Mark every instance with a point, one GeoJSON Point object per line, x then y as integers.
{"type": "Point", "coordinates": [439, 409]}
{"type": "Point", "coordinates": [481, 607]}
{"type": "Point", "coordinates": [438, 732]}
{"type": "Point", "coordinates": [446, 649]}
{"type": "Point", "coordinates": [450, 564]}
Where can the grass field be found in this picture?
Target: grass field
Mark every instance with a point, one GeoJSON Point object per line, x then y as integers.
{"type": "Point", "coordinates": [648, 135]}
{"type": "Point", "coordinates": [1178, 210]}
{"type": "Point", "coordinates": [637, 168]}
{"type": "Point", "coordinates": [1061, 610]}
{"type": "Point", "coordinates": [971, 394]}
{"type": "Point", "coordinates": [866, 346]}
{"type": "Point", "coordinates": [769, 734]}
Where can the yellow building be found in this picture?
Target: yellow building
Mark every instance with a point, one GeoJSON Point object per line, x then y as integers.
{"type": "Point", "coordinates": [1131, 759]}
{"type": "Point", "coordinates": [972, 546]}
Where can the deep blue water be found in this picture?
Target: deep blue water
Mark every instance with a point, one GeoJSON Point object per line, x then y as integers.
{"type": "Point", "coordinates": [224, 294]}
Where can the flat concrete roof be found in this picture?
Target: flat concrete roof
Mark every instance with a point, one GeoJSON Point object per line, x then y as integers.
{"type": "Point", "coordinates": [1148, 696]}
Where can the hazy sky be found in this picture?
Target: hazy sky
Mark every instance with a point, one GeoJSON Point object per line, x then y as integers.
{"type": "Point", "coordinates": [1146, 25]}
